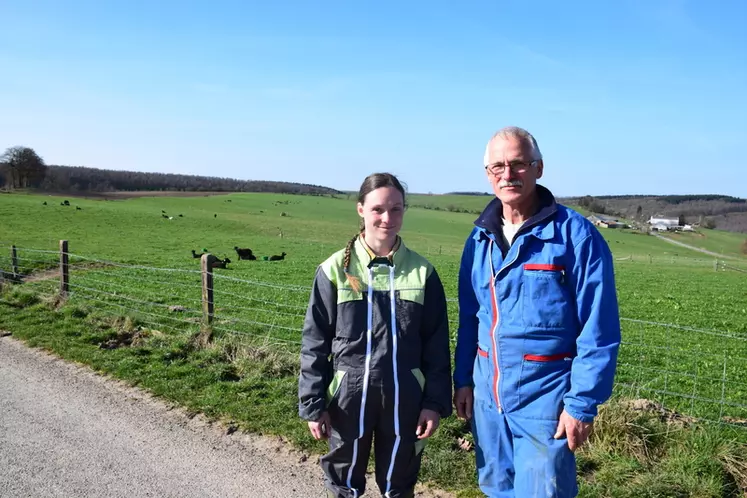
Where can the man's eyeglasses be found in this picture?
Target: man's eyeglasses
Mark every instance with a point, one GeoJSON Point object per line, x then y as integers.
{"type": "Point", "coordinates": [498, 169]}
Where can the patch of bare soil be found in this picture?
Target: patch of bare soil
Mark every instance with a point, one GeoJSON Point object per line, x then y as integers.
{"type": "Point", "coordinates": [42, 275]}
{"type": "Point", "coordinates": [736, 421]}
{"type": "Point", "coordinates": [665, 415]}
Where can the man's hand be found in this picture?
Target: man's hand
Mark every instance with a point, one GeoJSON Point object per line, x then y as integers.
{"type": "Point", "coordinates": [320, 428]}
{"type": "Point", "coordinates": [463, 402]}
{"type": "Point", "coordinates": [427, 423]}
{"type": "Point", "coordinates": [576, 431]}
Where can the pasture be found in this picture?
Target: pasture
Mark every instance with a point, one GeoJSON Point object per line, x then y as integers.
{"type": "Point", "coordinates": [684, 328]}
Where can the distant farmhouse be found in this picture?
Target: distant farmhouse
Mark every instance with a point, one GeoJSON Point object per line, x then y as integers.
{"type": "Point", "coordinates": [668, 225]}
{"type": "Point", "coordinates": [603, 221]}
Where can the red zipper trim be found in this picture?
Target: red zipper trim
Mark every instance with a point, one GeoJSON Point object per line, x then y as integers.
{"type": "Point", "coordinates": [530, 266]}
{"type": "Point", "coordinates": [493, 327]}
{"type": "Point", "coordinates": [482, 352]}
{"type": "Point", "coordinates": [546, 357]}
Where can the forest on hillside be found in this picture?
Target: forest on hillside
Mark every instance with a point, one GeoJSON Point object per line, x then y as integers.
{"type": "Point", "coordinates": [78, 179]}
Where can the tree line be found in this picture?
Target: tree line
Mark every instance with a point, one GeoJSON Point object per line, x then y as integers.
{"type": "Point", "coordinates": [22, 167]}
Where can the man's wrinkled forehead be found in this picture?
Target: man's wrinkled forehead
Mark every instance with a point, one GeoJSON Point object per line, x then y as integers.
{"type": "Point", "coordinates": [503, 150]}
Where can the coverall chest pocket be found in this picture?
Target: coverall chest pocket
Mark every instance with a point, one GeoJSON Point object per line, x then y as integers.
{"type": "Point", "coordinates": [545, 302]}
{"type": "Point", "coordinates": [351, 326]}
{"type": "Point", "coordinates": [408, 317]}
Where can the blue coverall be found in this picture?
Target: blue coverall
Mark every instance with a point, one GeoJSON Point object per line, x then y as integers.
{"type": "Point", "coordinates": [539, 332]}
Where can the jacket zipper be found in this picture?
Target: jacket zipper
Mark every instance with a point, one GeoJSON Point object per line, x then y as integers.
{"type": "Point", "coordinates": [493, 286]}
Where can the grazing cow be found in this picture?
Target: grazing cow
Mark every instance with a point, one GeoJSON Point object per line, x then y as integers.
{"type": "Point", "coordinates": [245, 253]}
{"type": "Point", "coordinates": [278, 258]}
{"type": "Point", "coordinates": [214, 262]}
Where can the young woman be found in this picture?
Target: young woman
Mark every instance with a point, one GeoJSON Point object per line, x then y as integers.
{"type": "Point", "coordinates": [375, 352]}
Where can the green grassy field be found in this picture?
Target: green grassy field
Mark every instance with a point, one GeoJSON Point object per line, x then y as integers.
{"type": "Point", "coordinates": [685, 327]}
{"type": "Point", "coordinates": [717, 241]}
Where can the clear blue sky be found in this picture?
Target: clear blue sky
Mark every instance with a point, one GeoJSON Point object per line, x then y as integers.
{"type": "Point", "coordinates": [625, 96]}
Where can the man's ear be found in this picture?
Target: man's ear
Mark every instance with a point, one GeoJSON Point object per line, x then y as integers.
{"type": "Point", "coordinates": [540, 168]}
{"type": "Point", "coordinates": [360, 210]}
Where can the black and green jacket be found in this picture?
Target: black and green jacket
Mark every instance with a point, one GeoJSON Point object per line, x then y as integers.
{"type": "Point", "coordinates": [353, 338]}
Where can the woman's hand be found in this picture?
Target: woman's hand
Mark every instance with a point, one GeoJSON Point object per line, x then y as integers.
{"type": "Point", "coordinates": [427, 423]}
{"type": "Point", "coordinates": [320, 428]}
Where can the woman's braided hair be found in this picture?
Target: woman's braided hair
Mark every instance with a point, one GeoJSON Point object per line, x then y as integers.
{"type": "Point", "coordinates": [371, 183]}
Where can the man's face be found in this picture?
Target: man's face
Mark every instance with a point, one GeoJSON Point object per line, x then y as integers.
{"type": "Point", "coordinates": [513, 186]}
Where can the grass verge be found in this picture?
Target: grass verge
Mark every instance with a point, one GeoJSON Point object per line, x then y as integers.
{"type": "Point", "coordinates": [638, 449]}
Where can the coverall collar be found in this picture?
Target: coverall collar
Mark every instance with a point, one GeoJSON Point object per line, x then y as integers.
{"type": "Point", "coordinates": [492, 221]}
{"type": "Point", "coordinates": [367, 256]}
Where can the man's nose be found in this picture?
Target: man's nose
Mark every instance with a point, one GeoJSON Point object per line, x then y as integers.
{"type": "Point", "coordinates": [508, 173]}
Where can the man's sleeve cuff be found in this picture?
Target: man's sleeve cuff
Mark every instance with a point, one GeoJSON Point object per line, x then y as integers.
{"type": "Point", "coordinates": [583, 417]}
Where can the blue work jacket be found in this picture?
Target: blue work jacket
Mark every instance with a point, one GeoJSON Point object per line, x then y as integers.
{"type": "Point", "coordinates": [539, 326]}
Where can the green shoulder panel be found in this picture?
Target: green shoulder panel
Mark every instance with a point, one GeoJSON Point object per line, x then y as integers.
{"type": "Point", "coordinates": [411, 273]}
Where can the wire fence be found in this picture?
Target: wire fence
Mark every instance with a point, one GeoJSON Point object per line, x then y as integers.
{"type": "Point", "coordinates": [696, 372]}
{"type": "Point", "coordinates": [680, 261]}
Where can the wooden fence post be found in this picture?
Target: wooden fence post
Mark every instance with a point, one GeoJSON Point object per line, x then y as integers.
{"type": "Point", "coordinates": [207, 289]}
{"type": "Point", "coordinates": [64, 270]}
{"type": "Point", "coordinates": [14, 262]}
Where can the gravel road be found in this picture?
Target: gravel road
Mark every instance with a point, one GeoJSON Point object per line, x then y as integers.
{"type": "Point", "coordinates": [693, 248]}
{"type": "Point", "coordinates": [67, 431]}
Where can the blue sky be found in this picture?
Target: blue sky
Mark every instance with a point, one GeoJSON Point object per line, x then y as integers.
{"type": "Point", "coordinates": [624, 97]}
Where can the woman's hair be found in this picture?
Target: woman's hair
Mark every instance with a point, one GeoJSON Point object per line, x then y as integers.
{"type": "Point", "coordinates": [371, 183]}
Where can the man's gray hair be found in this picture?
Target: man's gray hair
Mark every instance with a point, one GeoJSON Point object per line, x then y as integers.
{"type": "Point", "coordinates": [518, 133]}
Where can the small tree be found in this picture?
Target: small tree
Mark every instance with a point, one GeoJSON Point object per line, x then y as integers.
{"type": "Point", "coordinates": [681, 220]}
{"type": "Point", "coordinates": [24, 166]}
{"type": "Point", "coordinates": [639, 213]}
{"type": "Point", "coordinates": [709, 223]}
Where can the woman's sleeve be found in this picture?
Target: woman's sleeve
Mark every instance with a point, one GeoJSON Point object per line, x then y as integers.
{"type": "Point", "coordinates": [436, 358]}
{"type": "Point", "coordinates": [316, 344]}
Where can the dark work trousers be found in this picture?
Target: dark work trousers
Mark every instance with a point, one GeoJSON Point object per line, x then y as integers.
{"type": "Point", "coordinates": [388, 420]}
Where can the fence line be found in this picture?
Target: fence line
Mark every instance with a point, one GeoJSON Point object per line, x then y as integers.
{"type": "Point", "coordinates": [697, 371]}
{"type": "Point", "coordinates": [724, 266]}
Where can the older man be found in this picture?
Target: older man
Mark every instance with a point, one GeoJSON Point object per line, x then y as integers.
{"type": "Point", "coordinates": [539, 328]}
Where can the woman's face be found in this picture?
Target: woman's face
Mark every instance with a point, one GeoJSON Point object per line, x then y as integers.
{"type": "Point", "coordinates": [382, 211]}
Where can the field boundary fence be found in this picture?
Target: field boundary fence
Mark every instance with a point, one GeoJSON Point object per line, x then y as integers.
{"type": "Point", "coordinates": [693, 372]}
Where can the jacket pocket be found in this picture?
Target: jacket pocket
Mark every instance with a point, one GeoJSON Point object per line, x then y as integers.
{"type": "Point", "coordinates": [546, 300]}
{"type": "Point", "coordinates": [419, 377]}
{"type": "Point", "coordinates": [544, 380]}
{"type": "Point", "coordinates": [544, 358]}
{"type": "Point", "coordinates": [351, 320]}
{"type": "Point", "coordinates": [333, 390]}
